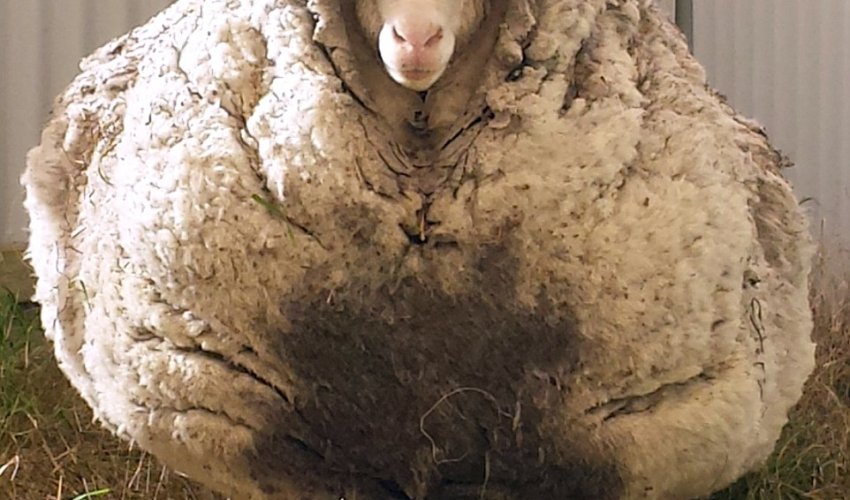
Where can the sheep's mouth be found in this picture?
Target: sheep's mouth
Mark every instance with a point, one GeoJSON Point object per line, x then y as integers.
{"type": "Point", "coordinates": [417, 74]}
{"type": "Point", "coordinates": [418, 78]}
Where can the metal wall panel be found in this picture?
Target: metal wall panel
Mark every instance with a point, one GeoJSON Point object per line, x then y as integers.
{"type": "Point", "coordinates": [787, 64]}
{"type": "Point", "coordinates": [41, 43]}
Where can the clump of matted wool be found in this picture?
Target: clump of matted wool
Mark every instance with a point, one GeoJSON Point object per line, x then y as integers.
{"type": "Point", "coordinates": [568, 271]}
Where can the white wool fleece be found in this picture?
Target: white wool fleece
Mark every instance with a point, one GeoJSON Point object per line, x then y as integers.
{"type": "Point", "coordinates": [233, 167]}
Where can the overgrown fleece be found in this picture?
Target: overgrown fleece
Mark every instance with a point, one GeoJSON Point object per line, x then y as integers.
{"type": "Point", "coordinates": [568, 271]}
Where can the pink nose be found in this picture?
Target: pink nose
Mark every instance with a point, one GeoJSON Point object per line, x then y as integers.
{"type": "Point", "coordinates": [417, 35]}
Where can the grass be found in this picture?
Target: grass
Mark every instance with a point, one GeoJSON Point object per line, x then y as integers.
{"type": "Point", "coordinates": [49, 446]}
{"type": "Point", "coordinates": [812, 457]}
{"type": "Point", "coordinates": [50, 449]}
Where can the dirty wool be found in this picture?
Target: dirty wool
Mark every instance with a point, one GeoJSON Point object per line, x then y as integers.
{"type": "Point", "coordinates": [567, 270]}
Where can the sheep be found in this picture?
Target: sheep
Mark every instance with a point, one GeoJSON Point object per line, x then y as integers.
{"type": "Point", "coordinates": [417, 38]}
{"type": "Point", "coordinates": [567, 270]}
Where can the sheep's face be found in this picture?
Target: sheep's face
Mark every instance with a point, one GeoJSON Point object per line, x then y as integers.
{"type": "Point", "coordinates": [417, 38]}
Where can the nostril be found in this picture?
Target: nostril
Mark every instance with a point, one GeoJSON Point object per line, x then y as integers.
{"type": "Point", "coordinates": [435, 38]}
{"type": "Point", "coordinates": [416, 34]}
{"type": "Point", "coordinates": [397, 36]}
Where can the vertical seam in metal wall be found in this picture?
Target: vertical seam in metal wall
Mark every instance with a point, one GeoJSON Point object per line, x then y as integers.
{"type": "Point", "coordinates": [88, 31]}
{"type": "Point", "coordinates": [44, 56]}
{"type": "Point", "coordinates": [5, 69]}
{"type": "Point", "coordinates": [132, 13]}
{"type": "Point", "coordinates": [685, 19]}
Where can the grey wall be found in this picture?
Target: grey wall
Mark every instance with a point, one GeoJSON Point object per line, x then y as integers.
{"type": "Point", "coordinates": [41, 42]}
{"type": "Point", "coordinates": [787, 63]}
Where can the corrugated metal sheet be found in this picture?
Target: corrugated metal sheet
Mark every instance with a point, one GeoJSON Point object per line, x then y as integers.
{"type": "Point", "coordinates": [787, 63]}
{"type": "Point", "coordinates": [41, 43]}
